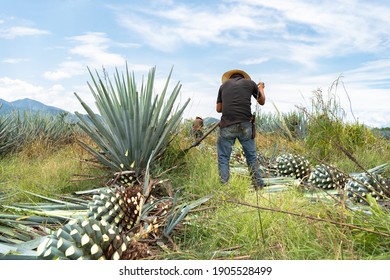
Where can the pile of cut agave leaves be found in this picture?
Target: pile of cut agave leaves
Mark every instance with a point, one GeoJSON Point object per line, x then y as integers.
{"type": "Point", "coordinates": [92, 225]}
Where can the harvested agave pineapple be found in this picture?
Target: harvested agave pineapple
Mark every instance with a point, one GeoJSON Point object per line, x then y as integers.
{"type": "Point", "coordinates": [359, 186]}
{"type": "Point", "coordinates": [126, 178]}
{"type": "Point", "coordinates": [291, 165]}
{"type": "Point", "coordinates": [327, 177]}
{"type": "Point", "coordinates": [88, 240]}
{"type": "Point", "coordinates": [117, 205]}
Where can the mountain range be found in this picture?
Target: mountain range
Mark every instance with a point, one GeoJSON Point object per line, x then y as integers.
{"type": "Point", "coordinates": [30, 105]}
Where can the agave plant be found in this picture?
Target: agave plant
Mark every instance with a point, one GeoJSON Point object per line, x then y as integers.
{"type": "Point", "coordinates": [133, 125]}
{"type": "Point", "coordinates": [9, 140]}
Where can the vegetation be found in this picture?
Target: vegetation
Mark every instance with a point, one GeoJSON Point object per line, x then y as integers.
{"type": "Point", "coordinates": [18, 130]}
{"type": "Point", "coordinates": [133, 126]}
{"type": "Point", "coordinates": [338, 208]}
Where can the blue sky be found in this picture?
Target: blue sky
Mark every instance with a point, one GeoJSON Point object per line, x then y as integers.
{"type": "Point", "coordinates": [294, 46]}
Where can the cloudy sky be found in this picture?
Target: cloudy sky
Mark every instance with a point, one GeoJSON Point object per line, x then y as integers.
{"type": "Point", "coordinates": [294, 46]}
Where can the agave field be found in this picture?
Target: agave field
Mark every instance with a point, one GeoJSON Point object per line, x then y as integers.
{"type": "Point", "coordinates": [122, 183]}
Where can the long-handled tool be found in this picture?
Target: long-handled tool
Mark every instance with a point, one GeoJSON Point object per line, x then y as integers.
{"type": "Point", "coordinates": [261, 92]}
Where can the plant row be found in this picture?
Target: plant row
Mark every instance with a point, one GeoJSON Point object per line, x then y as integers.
{"type": "Point", "coordinates": [18, 130]}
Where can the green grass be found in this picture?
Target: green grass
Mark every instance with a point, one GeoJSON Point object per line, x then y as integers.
{"type": "Point", "coordinates": [47, 171]}
{"type": "Point", "coordinates": [232, 225]}
{"type": "Point", "coordinates": [225, 228]}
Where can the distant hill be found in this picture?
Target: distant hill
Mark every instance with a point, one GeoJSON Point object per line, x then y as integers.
{"type": "Point", "coordinates": [209, 121]}
{"type": "Point", "coordinates": [33, 106]}
{"type": "Point", "coordinates": [5, 106]}
{"type": "Point", "coordinates": [27, 104]}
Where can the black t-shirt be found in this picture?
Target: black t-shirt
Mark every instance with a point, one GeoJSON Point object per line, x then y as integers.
{"type": "Point", "coordinates": [235, 95]}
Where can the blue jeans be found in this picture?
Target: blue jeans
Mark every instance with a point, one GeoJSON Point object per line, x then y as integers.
{"type": "Point", "coordinates": [226, 138]}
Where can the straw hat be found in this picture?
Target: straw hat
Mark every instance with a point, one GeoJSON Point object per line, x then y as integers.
{"type": "Point", "coordinates": [228, 74]}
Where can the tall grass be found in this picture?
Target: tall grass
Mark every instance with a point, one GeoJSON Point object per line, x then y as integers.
{"type": "Point", "coordinates": [322, 134]}
{"type": "Point", "coordinates": [331, 138]}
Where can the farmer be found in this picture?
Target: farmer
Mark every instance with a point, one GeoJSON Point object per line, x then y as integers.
{"type": "Point", "coordinates": [197, 127]}
{"type": "Point", "coordinates": [237, 122]}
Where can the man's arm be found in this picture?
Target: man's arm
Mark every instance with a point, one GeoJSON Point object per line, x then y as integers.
{"type": "Point", "coordinates": [219, 107]}
{"type": "Point", "coordinates": [219, 100]}
{"type": "Point", "coordinates": [261, 97]}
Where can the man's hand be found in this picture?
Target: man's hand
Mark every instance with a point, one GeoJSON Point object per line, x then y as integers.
{"type": "Point", "coordinates": [261, 98]}
{"type": "Point", "coordinates": [219, 107]}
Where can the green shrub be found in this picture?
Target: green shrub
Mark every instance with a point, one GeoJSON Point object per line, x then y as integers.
{"type": "Point", "coordinates": [328, 130]}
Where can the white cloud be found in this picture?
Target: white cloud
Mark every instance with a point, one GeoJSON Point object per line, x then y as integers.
{"type": "Point", "coordinates": [254, 61]}
{"type": "Point", "coordinates": [57, 75]}
{"type": "Point", "coordinates": [15, 88]}
{"type": "Point", "coordinates": [298, 31]}
{"type": "Point", "coordinates": [56, 95]}
{"type": "Point", "coordinates": [93, 47]}
{"type": "Point", "coordinates": [15, 60]}
{"type": "Point", "coordinates": [373, 118]}
{"type": "Point", "coordinates": [373, 73]}
{"type": "Point", "coordinates": [327, 28]}
{"type": "Point", "coordinates": [66, 70]}
{"type": "Point", "coordinates": [90, 50]}
{"type": "Point", "coordinates": [166, 29]}
{"type": "Point", "coordinates": [21, 31]}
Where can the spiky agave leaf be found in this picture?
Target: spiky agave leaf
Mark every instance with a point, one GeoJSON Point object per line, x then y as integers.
{"type": "Point", "coordinates": [327, 177]}
{"type": "Point", "coordinates": [154, 217]}
{"type": "Point", "coordinates": [9, 140]}
{"type": "Point", "coordinates": [179, 212]}
{"type": "Point", "coordinates": [133, 124]}
{"type": "Point", "coordinates": [291, 165]}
